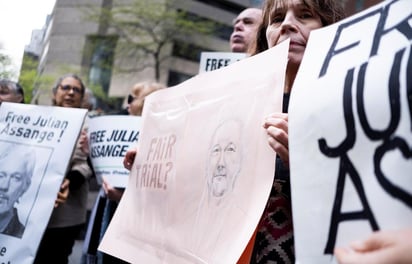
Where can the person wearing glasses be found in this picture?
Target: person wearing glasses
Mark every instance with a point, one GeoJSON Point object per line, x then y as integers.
{"type": "Point", "coordinates": [69, 215]}
{"type": "Point", "coordinates": [135, 99]}
{"type": "Point", "coordinates": [11, 92]}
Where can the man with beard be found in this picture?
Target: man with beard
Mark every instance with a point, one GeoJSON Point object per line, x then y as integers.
{"type": "Point", "coordinates": [15, 179]}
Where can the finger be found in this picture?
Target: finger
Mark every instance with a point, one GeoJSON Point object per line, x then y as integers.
{"type": "Point", "coordinates": [63, 195]}
{"type": "Point", "coordinates": [60, 201]}
{"type": "Point", "coordinates": [105, 187]}
{"type": "Point", "coordinates": [279, 135]}
{"type": "Point", "coordinates": [280, 150]}
{"type": "Point", "coordinates": [127, 164]}
{"type": "Point", "coordinates": [375, 241]}
{"type": "Point", "coordinates": [381, 256]}
{"type": "Point", "coordinates": [65, 184]}
{"type": "Point", "coordinates": [278, 115]}
{"type": "Point", "coordinates": [342, 255]}
{"type": "Point", "coordinates": [278, 123]}
{"type": "Point", "coordinates": [346, 256]}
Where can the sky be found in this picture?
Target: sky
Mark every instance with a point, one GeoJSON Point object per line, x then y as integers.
{"type": "Point", "coordinates": [19, 18]}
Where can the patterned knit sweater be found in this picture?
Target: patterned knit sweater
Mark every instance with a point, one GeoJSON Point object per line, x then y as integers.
{"type": "Point", "coordinates": [274, 238]}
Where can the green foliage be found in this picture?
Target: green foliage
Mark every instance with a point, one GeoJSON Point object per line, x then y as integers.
{"type": "Point", "coordinates": [105, 102]}
{"type": "Point", "coordinates": [6, 71]}
{"type": "Point", "coordinates": [29, 79]}
{"type": "Point", "coordinates": [98, 92]}
{"type": "Point", "coordinates": [146, 28]}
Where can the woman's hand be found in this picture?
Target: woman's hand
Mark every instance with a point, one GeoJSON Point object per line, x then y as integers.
{"type": "Point", "coordinates": [84, 142]}
{"type": "Point", "coordinates": [379, 248]}
{"type": "Point", "coordinates": [112, 193]}
{"type": "Point", "coordinates": [276, 126]}
{"type": "Point", "coordinates": [63, 194]}
{"type": "Point", "coordinates": [129, 158]}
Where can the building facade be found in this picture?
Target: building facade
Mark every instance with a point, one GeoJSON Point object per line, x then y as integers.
{"type": "Point", "coordinates": [76, 41]}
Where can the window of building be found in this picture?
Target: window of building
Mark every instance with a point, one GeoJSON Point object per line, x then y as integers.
{"type": "Point", "coordinates": [187, 51]}
{"type": "Point", "coordinates": [177, 77]}
{"type": "Point", "coordinates": [99, 55]}
{"type": "Point", "coordinates": [225, 5]}
{"type": "Point", "coordinates": [220, 30]}
{"type": "Point", "coordinates": [256, 3]}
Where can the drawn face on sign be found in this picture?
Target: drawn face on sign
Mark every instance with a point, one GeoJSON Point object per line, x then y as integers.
{"type": "Point", "coordinates": [15, 178]}
{"type": "Point", "coordinates": [224, 158]}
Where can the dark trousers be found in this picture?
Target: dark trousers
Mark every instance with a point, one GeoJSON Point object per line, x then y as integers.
{"type": "Point", "coordinates": [56, 245]}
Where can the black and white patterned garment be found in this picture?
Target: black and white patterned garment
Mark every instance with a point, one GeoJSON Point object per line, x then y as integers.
{"type": "Point", "coordinates": [274, 237]}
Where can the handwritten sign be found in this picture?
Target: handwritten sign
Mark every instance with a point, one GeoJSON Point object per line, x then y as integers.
{"type": "Point", "coordinates": [197, 158]}
{"type": "Point", "coordinates": [350, 131]}
{"type": "Point", "coordinates": [109, 138]}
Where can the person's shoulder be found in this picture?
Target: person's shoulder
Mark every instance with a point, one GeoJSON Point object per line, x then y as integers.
{"type": "Point", "coordinates": [15, 227]}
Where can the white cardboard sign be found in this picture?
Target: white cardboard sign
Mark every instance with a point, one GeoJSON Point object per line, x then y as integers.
{"type": "Point", "coordinates": [210, 61]}
{"type": "Point", "coordinates": [204, 169]}
{"type": "Point", "coordinates": [350, 124]}
{"type": "Point", "coordinates": [109, 138]}
{"type": "Point", "coordinates": [40, 140]}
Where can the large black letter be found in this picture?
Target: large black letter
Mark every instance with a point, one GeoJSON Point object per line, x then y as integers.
{"type": "Point", "coordinates": [392, 189]}
{"type": "Point", "coordinates": [333, 51]}
{"type": "Point", "coordinates": [394, 100]}
{"type": "Point", "coordinates": [346, 168]}
{"type": "Point", "coordinates": [402, 27]}
{"type": "Point", "coordinates": [349, 121]}
{"type": "Point", "coordinates": [409, 83]}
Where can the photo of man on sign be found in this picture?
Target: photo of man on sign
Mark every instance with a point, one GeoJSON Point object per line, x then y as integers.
{"type": "Point", "coordinates": [15, 179]}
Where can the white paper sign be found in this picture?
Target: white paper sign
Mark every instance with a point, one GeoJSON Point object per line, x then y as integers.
{"type": "Point", "coordinates": [210, 61]}
{"type": "Point", "coordinates": [204, 169]}
{"type": "Point", "coordinates": [36, 143]}
{"type": "Point", "coordinates": [109, 139]}
{"type": "Point", "coordinates": [350, 131]}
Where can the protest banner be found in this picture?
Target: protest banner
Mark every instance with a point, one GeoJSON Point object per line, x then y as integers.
{"type": "Point", "coordinates": [210, 61]}
{"type": "Point", "coordinates": [350, 137]}
{"type": "Point", "coordinates": [109, 138]}
{"type": "Point", "coordinates": [36, 144]}
{"type": "Point", "coordinates": [204, 169]}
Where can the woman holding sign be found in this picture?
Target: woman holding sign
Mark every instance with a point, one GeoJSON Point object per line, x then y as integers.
{"type": "Point", "coordinates": [69, 215]}
{"type": "Point", "coordinates": [282, 20]}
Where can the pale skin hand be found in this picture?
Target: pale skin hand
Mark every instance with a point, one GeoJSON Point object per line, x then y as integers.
{"type": "Point", "coordinates": [129, 158]}
{"type": "Point", "coordinates": [111, 192]}
{"type": "Point", "coordinates": [276, 126]}
{"type": "Point", "coordinates": [63, 193]}
{"type": "Point", "coordinates": [84, 142]}
{"type": "Point", "coordinates": [379, 248]}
